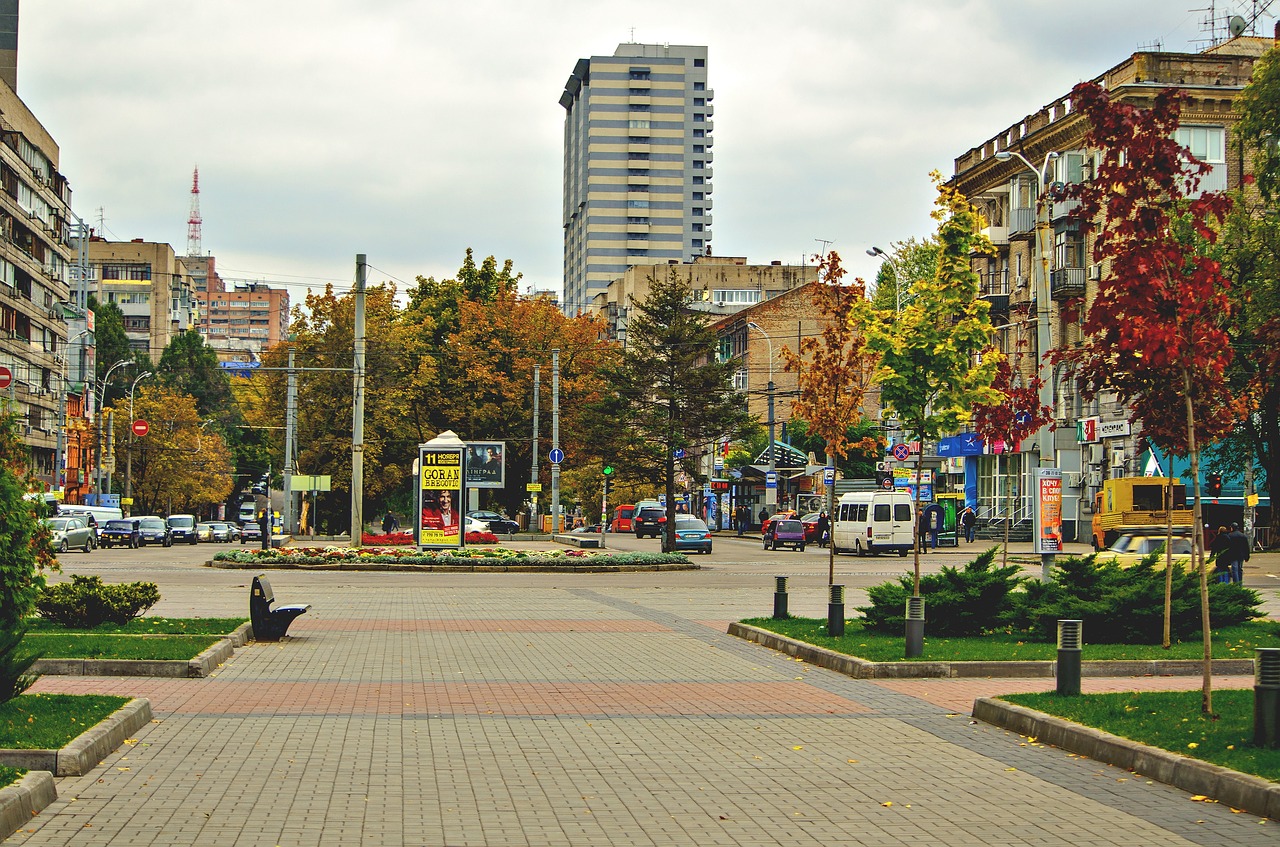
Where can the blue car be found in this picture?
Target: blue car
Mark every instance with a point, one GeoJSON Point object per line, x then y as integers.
{"type": "Point", "coordinates": [154, 530]}
{"type": "Point", "coordinates": [692, 534]}
{"type": "Point", "coordinates": [120, 533]}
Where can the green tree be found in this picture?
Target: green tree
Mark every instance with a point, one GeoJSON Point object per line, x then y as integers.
{"type": "Point", "coordinates": [112, 345]}
{"type": "Point", "coordinates": [189, 366]}
{"type": "Point", "coordinates": [669, 392]}
{"type": "Point", "coordinates": [25, 554]}
{"type": "Point", "coordinates": [915, 259]}
{"type": "Point", "coordinates": [936, 362]}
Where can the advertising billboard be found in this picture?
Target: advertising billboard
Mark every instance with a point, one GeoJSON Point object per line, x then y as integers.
{"type": "Point", "coordinates": [1048, 511]}
{"type": "Point", "coordinates": [486, 464]}
{"type": "Point", "coordinates": [440, 475]}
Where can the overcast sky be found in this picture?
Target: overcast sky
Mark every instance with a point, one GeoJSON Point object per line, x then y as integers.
{"type": "Point", "coordinates": [410, 130]}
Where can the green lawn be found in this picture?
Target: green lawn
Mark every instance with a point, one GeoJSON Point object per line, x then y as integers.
{"type": "Point", "coordinates": [8, 776]}
{"type": "Point", "coordinates": [1171, 720]}
{"type": "Point", "coordinates": [50, 721]}
{"type": "Point", "coordinates": [79, 645]}
{"type": "Point", "coordinates": [1237, 642]}
{"type": "Point", "coordinates": [148, 626]}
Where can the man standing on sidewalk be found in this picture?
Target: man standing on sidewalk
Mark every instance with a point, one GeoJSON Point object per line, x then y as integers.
{"type": "Point", "coordinates": [1237, 553]}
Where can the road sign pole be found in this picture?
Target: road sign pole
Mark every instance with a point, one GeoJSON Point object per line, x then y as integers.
{"type": "Point", "coordinates": [555, 440]}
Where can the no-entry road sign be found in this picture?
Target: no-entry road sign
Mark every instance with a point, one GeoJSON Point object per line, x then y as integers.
{"type": "Point", "coordinates": [6, 377]}
{"type": "Point", "coordinates": [141, 427]}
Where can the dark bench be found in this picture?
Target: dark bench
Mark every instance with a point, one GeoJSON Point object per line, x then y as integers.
{"type": "Point", "coordinates": [270, 624]}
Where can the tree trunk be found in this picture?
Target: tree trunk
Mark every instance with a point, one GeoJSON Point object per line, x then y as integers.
{"type": "Point", "coordinates": [829, 495]}
{"type": "Point", "coordinates": [1008, 511]}
{"type": "Point", "coordinates": [1197, 549]}
{"type": "Point", "coordinates": [1168, 553]}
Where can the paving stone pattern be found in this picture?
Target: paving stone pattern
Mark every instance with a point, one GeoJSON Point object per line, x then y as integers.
{"type": "Point", "coordinates": [584, 710]}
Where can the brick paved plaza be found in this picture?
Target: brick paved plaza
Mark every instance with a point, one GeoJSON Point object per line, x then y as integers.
{"type": "Point", "coordinates": [562, 709]}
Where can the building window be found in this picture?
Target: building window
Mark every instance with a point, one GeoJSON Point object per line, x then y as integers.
{"type": "Point", "coordinates": [735, 296]}
{"type": "Point", "coordinates": [697, 242]}
{"type": "Point", "coordinates": [699, 195]}
{"type": "Point", "coordinates": [697, 211]}
{"type": "Point", "coordinates": [1208, 144]}
{"type": "Point", "coordinates": [740, 380]}
{"type": "Point", "coordinates": [1068, 250]}
{"type": "Point", "coordinates": [639, 73]}
{"type": "Point", "coordinates": [699, 148]}
{"type": "Point", "coordinates": [699, 63]}
{"type": "Point", "coordinates": [699, 101]}
{"type": "Point", "coordinates": [637, 204]}
{"type": "Point", "coordinates": [636, 220]}
{"type": "Point", "coordinates": [639, 107]}
{"type": "Point", "coordinates": [697, 227]}
{"type": "Point", "coordinates": [698, 164]}
{"type": "Point", "coordinates": [699, 133]}
{"type": "Point", "coordinates": [697, 180]}
{"type": "Point", "coordinates": [638, 124]}
{"type": "Point", "coordinates": [699, 86]}
{"type": "Point", "coordinates": [698, 117]}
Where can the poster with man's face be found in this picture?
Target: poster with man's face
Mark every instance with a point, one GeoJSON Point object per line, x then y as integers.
{"type": "Point", "coordinates": [486, 464]}
{"type": "Point", "coordinates": [440, 520]}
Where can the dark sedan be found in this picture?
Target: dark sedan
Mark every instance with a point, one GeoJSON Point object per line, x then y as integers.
{"type": "Point", "coordinates": [154, 530]}
{"type": "Point", "coordinates": [498, 525]}
{"type": "Point", "coordinates": [120, 533]}
{"type": "Point", "coordinates": [250, 532]}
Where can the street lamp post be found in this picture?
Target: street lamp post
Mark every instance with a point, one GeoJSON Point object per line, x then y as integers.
{"type": "Point", "coordinates": [770, 494]}
{"type": "Point", "coordinates": [877, 253]}
{"type": "Point", "coordinates": [128, 467]}
{"type": "Point", "coordinates": [1044, 339]}
{"type": "Point", "coordinates": [101, 395]}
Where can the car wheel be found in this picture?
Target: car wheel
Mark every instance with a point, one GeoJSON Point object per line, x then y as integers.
{"type": "Point", "coordinates": [801, 548]}
{"type": "Point", "coordinates": [88, 545]}
{"type": "Point", "coordinates": [192, 541]}
{"type": "Point", "coordinates": [902, 553]}
{"type": "Point", "coordinates": [64, 546]}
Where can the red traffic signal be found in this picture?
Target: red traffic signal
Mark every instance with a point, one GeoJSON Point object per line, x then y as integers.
{"type": "Point", "coordinates": [1215, 484]}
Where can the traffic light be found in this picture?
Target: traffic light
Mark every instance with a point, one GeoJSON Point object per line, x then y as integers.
{"type": "Point", "coordinates": [1215, 484]}
{"type": "Point", "coordinates": [608, 479]}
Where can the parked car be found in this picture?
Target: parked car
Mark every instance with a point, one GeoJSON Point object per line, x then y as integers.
{"type": "Point", "coordinates": [622, 516]}
{"type": "Point", "coordinates": [1130, 547]}
{"type": "Point", "coordinates": [767, 526]}
{"type": "Point", "coordinates": [810, 522]}
{"type": "Point", "coordinates": [224, 531]}
{"type": "Point", "coordinates": [649, 521]}
{"type": "Point", "coordinates": [71, 531]}
{"type": "Point", "coordinates": [788, 532]}
{"type": "Point", "coordinates": [476, 525]}
{"type": "Point", "coordinates": [120, 533]}
{"type": "Point", "coordinates": [250, 531]}
{"type": "Point", "coordinates": [497, 523]}
{"type": "Point", "coordinates": [153, 530]}
{"type": "Point", "coordinates": [204, 531]}
{"type": "Point", "coordinates": [692, 534]}
{"type": "Point", "coordinates": [89, 517]}
{"type": "Point", "coordinates": [583, 530]}
{"type": "Point", "coordinates": [182, 528]}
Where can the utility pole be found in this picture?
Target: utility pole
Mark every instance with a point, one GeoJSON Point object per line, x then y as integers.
{"type": "Point", "coordinates": [290, 425]}
{"type": "Point", "coordinates": [357, 417]}
{"type": "Point", "coordinates": [555, 440]}
{"type": "Point", "coordinates": [533, 495]}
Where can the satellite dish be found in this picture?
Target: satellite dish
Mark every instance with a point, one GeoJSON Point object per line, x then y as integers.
{"type": "Point", "coordinates": [1236, 25]}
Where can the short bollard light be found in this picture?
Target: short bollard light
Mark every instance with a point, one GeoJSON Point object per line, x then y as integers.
{"type": "Point", "coordinates": [1266, 697]}
{"type": "Point", "coordinates": [915, 627]}
{"type": "Point", "coordinates": [835, 612]}
{"type": "Point", "coordinates": [780, 598]}
{"type": "Point", "coordinates": [1070, 641]}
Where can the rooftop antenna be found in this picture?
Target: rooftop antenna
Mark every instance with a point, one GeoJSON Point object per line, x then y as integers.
{"type": "Point", "coordinates": [1208, 24]}
{"type": "Point", "coordinates": [825, 242]}
{"type": "Point", "coordinates": [1236, 25]}
{"type": "Point", "coordinates": [194, 223]}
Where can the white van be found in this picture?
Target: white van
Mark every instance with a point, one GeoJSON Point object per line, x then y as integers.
{"type": "Point", "coordinates": [874, 522]}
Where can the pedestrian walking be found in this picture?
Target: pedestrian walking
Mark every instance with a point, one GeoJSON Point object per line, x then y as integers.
{"type": "Point", "coordinates": [824, 529]}
{"type": "Point", "coordinates": [969, 523]}
{"type": "Point", "coordinates": [740, 519]}
{"type": "Point", "coordinates": [764, 515]}
{"type": "Point", "coordinates": [388, 523]}
{"type": "Point", "coordinates": [1218, 552]}
{"type": "Point", "coordinates": [264, 522]}
{"type": "Point", "coordinates": [1237, 553]}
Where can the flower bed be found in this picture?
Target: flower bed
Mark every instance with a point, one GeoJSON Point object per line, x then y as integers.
{"type": "Point", "coordinates": [476, 557]}
{"type": "Point", "coordinates": [401, 539]}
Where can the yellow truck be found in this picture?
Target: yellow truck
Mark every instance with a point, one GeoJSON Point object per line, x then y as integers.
{"type": "Point", "coordinates": [1138, 502]}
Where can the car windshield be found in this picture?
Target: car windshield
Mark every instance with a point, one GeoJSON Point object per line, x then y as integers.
{"type": "Point", "coordinates": [184, 521]}
{"type": "Point", "coordinates": [122, 526]}
{"type": "Point", "coordinates": [151, 523]}
{"type": "Point", "coordinates": [1143, 544]}
{"type": "Point", "coordinates": [59, 524]}
{"type": "Point", "coordinates": [790, 526]}
{"type": "Point", "coordinates": [690, 523]}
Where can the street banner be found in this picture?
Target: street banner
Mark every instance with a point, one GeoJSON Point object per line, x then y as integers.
{"type": "Point", "coordinates": [486, 464]}
{"type": "Point", "coordinates": [440, 475]}
{"type": "Point", "coordinates": [1048, 511]}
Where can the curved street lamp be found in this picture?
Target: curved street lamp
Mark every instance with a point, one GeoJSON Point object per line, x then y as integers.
{"type": "Point", "coordinates": [877, 253]}
{"type": "Point", "coordinates": [100, 395]}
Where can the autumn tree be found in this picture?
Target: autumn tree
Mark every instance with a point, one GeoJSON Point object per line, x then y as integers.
{"type": "Point", "coordinates": [669, 391]}
{"type": "Point", "coordinates": [935, 358]}
{"type": "Point", "coordinates": [834, 374]}
{"type": "Point", "coordinates": [1155, 332]}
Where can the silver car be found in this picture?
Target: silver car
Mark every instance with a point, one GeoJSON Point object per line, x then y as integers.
{"type": "Point", "coordinates": [71, 531]}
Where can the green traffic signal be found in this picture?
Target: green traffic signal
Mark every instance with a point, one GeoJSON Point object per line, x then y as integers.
{"type": "Point", "coordinates": [608, 470]}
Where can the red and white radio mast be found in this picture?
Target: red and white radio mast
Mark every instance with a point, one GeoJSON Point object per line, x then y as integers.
{"type": "Point", "coordinates": [193, 220]}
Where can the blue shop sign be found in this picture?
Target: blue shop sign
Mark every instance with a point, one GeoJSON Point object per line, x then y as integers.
{"type": "Point", "coordinates": [965, 444]}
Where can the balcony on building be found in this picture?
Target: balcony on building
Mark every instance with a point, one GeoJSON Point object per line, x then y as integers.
{"type": "Point", "coordinates": [1066, 283]}
{"type": "Point", "coordinates": [998, 235]}
{"type": "Point", "coordinates": [1022, 223]}
{"type": "Point", "coordinates": [1060, 210]}
{"type": "Point", "coordinates": [995, 290]}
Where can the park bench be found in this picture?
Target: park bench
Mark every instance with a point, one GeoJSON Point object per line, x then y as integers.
{"type": "Point", "coordinates": [270, 624]}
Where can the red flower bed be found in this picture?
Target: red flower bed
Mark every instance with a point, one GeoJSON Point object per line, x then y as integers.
{"type": "Point", "coordinates": [396, 539]}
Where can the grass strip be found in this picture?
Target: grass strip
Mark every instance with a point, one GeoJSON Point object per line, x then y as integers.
{"type": "Point", "coordinates": [147, 626]}
{"type": "Point", "coordinates": [1170, 720]}
{"type": "Point", "coordinates": [8, 776]}
{"type": "Point", "coordinates": [51, 721]}
{"type": "Point", "coordinates": [86, 646]}
{"type": "Point", "coordinates": [1235, 642]}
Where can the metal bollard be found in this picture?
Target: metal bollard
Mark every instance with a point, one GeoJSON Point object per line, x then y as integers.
{"type": "Point", "coordinates": [1266, 697]}
{"type": "Point", "coordinates": [780, 598]}
{"type": "Point", "coordinates": [1070, 639]}
{"type": "Point", "coordinates": [915, 627]}
{"type": "Point", "coordinates": [835, 612]}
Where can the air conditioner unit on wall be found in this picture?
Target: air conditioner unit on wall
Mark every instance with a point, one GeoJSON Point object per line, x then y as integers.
{"type": "Point", "coordinates": [1072, 479]}
{"type": "Point", "coordinates": [1095, 272]}
{"type": "Point", "coordinates": [1095, 478]}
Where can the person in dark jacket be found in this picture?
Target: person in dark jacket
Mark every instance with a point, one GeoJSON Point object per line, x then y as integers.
{"type": "Point", "coordinates": [1237, 552]}
{"type": "Point", "coordinates": [824, 530]}
{"type": "Point", "coordinates": [968, 522]}
{"type": "Point", "coordinates": [1217, 552]}
{"type": "Point", "coordinates": [264, 523]}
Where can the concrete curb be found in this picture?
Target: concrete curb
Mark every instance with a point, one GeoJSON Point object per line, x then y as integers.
{"type": "Point", "coordinates": [89, 748]}
{"type": "Point", "coordinates": [195, 668]}
{"type": "Point", "coordinates": [1249, 793]}
{"type": "Point", "coordinates": [863, 669]}
{"type": "Point", "coordinates": [24, 799]}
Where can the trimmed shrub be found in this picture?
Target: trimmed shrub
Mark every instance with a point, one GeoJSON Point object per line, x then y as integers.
{"type": "Point", "coordinates": [969, 601]}
{"type": "Point", "coordinates": [87, 601]}
{"type": "Point", "coordinates": [1126, 605]}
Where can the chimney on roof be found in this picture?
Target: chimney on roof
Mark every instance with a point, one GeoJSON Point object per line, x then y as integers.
{"type": "Point", "coordinates": [9, 43]}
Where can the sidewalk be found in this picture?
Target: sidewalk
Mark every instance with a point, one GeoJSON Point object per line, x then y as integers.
{"type": "Point", "coordinates": [545, 709]}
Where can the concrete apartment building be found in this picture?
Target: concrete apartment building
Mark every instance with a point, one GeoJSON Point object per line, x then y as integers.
{"type": "Point", "coordinates": [36, 268]}
{"type": "Point", "coordinates": [637, 164]}
{"type": "Point", "coordinates": [152, 287]}
{"type": "Point", "coordinates": [242, 323]}
{"type": "Point", "coordinates": [722, 285]}
{"type": "Point", "coordinates": [1006, 190]}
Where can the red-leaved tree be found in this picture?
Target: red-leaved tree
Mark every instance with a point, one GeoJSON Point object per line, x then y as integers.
{"type": "Point", "coordinates": [1156, 331]}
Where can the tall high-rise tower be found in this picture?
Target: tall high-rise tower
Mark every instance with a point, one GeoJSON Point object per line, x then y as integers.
{"type": "Point", "coordinates": [637, 164]}
{"type": "Point", "coordinates": [194, 223]}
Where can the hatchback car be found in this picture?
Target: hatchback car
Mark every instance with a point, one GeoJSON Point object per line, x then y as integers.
{"type": "Point", "coordinates": [153, 530]}
{"type": "Point", "coordinates": [1130, 547]}
{"type": "Point", "coordinates": [120, 533]}
{"type": "Point", "coordinates": [497, 523]}
{"type": "Point", "coordinates": [649, 521]}
{"type": "Point", "coordinates": [692, 534]}
{"type": "Point", "coordinates": [182, 528]}
{"type": "Point", "coordinates": [788, 532]}
{"type": "Point", "coordinates": [71, 531]}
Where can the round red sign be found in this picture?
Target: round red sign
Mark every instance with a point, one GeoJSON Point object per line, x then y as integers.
{"type": "Point", "coordinates": [6, 377]}
{"type": "Point", "coordinates": [141, 428]}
